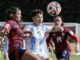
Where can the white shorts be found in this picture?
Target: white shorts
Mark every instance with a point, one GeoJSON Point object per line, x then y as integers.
{"type": "Point", "coordinates": [43, 56]}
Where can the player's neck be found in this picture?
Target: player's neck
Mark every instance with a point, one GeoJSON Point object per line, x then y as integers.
{"type": "Point", "coordinates": [55, 29]}
{"type": "Point", "coordinates": [37, 24]}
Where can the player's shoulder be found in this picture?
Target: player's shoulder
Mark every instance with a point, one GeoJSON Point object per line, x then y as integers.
{"type": "Point", "coordinates": [69, 31]}
{"type": "Point", "coordinates": [47, 28]}
{"type": "Point", "coordinates": [10, 21]}
{"type": "Point", "coordinates": [29, 25]}
{"type": "Point", "coordinates": [66, 29]}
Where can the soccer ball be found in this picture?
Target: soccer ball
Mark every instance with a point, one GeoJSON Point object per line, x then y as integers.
{"type": "Point", "coordinates": [53, 8]}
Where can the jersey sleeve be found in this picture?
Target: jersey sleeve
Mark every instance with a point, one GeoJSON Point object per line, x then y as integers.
{"type": "Point", "coordinates": [7, 27]}
{"type": "Point", "coordinates": [73, 35]}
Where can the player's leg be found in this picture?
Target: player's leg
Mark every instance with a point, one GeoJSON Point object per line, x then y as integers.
{"type": "Point", "coordinates": [45, 56]}
{"type": "Point", "coordinates": [61, 59]}
{"type": "Point", "coordinates": [6, 56]}
{"type": "Point", "coordinates": [69, 48]}
{"type": "Point", "coordinates": [11, 56]}
{"type": "Point", "coordinates": [23, 54]}
{"type": "Point", "coordinates": [70, 55]}
{"type": "Point", "coordinates": [28, 55]}
{"type": "Point", "coordinates": [64, 55]}
{"type": "Point", "coordinates": [47, 59]}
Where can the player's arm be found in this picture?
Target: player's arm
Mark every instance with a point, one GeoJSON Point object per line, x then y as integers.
{"type": "Point", "coordinates": [50, 44]}
{"type": "Point", "coordinates": [27, 32]}
{"type": "Point", "coordinates": [48, 41]}
{"type": "Point", "coordinates": [71, 33]}
{"type": "Point", "coordinates": [69, 45]}
{"type": "Point", "coordinates": [5, 30]}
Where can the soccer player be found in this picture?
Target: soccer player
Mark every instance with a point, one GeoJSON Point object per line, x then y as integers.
{"type": "Point", "coordinates": [13, 30]}
{"type": "Point", "coordinates": [59, 36]}
{"type": "Point", "coordinates": [5, 48]}
{"type": "Point", "coordinates": [37, 42]}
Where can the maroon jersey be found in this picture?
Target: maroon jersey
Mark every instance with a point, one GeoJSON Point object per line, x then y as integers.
{"type": "Point", "coordinates": [59, 38]}
{"type": "Point", "coordinates": [14, 35]}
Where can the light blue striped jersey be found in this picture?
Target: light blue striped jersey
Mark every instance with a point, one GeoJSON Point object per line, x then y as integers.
{"type": "Point", "coordinates": [38, 42]}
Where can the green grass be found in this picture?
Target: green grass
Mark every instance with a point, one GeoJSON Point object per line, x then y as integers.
{"type": "Point", "coordinates": [73, 57]}
{"type": "Point", "coordinates": [1, 56]}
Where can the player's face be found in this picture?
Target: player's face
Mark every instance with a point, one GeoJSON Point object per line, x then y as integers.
{"type": "Point", "coordinates": [58, 21]}
{"type": "Point", "coordinates": [17, 16]}
{"type": "Point", "coordinates": [38, 19]}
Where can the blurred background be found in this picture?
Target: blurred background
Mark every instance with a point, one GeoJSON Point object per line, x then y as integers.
{"type": "Point", "coordinates": [70, 14]}
{"type": "Point", "coordinates": [70, 9]}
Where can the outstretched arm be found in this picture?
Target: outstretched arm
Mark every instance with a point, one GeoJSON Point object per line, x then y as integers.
{"type": "Point", "coordinates": [5, 30]}
{"type": "Point", "coordinates": [76, 40]}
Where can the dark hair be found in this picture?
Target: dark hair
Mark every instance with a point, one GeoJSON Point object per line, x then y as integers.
{"type": "Point", "coordinates": [61, 19]}
{"type": "Point", "coordinates": [36, 11]}
{"type": "Point", "coordinates": [10, 11]}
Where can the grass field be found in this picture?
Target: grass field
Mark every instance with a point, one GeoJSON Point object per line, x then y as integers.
{"type": "Point", "coordinates": [73, 57]}
{"type": "Point", "coordinates": [1, 56]}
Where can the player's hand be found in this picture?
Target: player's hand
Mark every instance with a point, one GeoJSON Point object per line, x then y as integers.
{"type": "Point", "coordinates": [51, 49]}
{"type": "Point", "coordinates": [27, 33]}
{"type": "Point", "coordinates": [77, 48]}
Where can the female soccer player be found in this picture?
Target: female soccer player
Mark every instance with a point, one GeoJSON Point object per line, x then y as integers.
{"type": "Point", "coordinates": [58, 35]}
{"type": "Point", "coordinates": [12, 29]}
{"type": "Point", "coordinates": [37, 43]}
